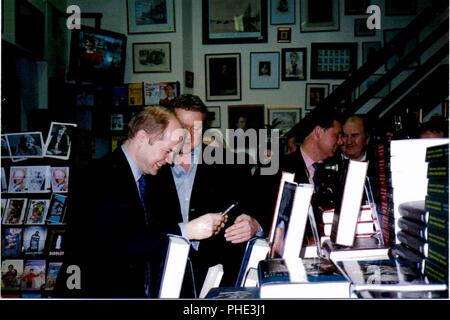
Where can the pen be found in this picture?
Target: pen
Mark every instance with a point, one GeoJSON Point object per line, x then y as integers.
{"type": "Point", "coordinates": [229, 208]}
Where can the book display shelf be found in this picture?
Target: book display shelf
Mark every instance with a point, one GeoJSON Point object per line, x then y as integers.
{"type": "Point", "coordinates": [34, 195]}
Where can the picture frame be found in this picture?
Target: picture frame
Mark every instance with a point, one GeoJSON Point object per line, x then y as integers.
{"type": "Point", "coordinates": [314, 94]}
{"type": "Point", "coordinates": [318, 16]}
{"type": "Point", "coordinates": [213, 119]}
{"type": "Point", "coordinates": [388, 35]}
{"type": "Point", "coordinates": [333, 60]}
{"type": "Point", "coordinates": [282, 12]}
{"type": "Point", "coordinates": [361, 30]}
{"type": "Point", "coordinates": [152, 57]}
{"type": "Point", "coordinates": [400, 8]}
{"type": "Point", "coordinates": [356, 7]}
{"type": "Point", "coordinates": [63, 132]}
{"type": "Point", "coordinates": [293, 64]}
{"type": "Point", "coordinates": [219, 23]}
{"type": "Point", "coordinates": [150, 16]}
{"type": "Point", "coordinates": [253, 113]}
{"type": "Point", "coordinates": [286, 117]}
{"type": "Point", "coordinates": [370, 81]}
{"type": "Point", "coordinates": [284, 35]}
{"type": "Point", "coordinates": [223, 76]}
{"type": "Point", "coordinates": [369, 48]}
{"type": "Point", "coordinates": [25, 145]}
{"type": "Point", "coordinates": [264, 70]}
{"type": "Point", "coordinates": [189, 79]}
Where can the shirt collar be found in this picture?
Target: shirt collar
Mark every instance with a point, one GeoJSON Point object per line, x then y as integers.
{"type": "Point", "coordinates": [137, 173]}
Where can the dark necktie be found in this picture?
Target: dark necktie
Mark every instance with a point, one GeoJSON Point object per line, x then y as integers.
{"type": "Point", "coordinates": [142, 182]}
{"type": "Point", "coordinates": [317, 167]}
{"type": "Point", "coordinates": [142, 192]}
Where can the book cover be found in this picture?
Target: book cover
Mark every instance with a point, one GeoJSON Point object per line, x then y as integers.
{"type": "Point", "coordinates": [348, 205]}
{"type": "Point", "coordinates": [237, 293]}
{"type": "Point", "coordinates": [151, 93]}
{"type": "Point", "coordinates": [15, 211]}
{"type": "Point", "coordinates": [55, 242]}
{"type": "Point", "coordinates": [174, 267]}
{"type": "Point", "coordinates": [255, 251]}
{"type": "Point", "coordinates": [34, 240]}
{"type": "Point", "coordinates": [57, 209]}
{"type": "Point", "coordinates": [38, 179]}
{"type": "Point", "coordinates": [18, 180]}
{"type": "Point", "coordinates": [322, 270]}
{"type": "Point", "coordinates": [135, 94]}
{"type": "Point", "coordinates": [12, 271]}
{"type": "Point", "coordinates": [167, 92]}
{"type": "Point", "coordinates": [60, 179]}
{"type": "Point", "coordinates": [212, 279]}
{"type": "Point", "coordinates": [386, 275]}
{"type": "Point", "coordinates": [52, 275]}
{"type": "Point", "coordinates": [33, 275]}
{"type": "Point", "coordinates": [12, 242]}
{"type": "Point", "coordinates": [37, 211]}
{"type": "Point", "coordinates": [273, 270]}
{"type": "Point", "coordinates": [117, 122]}
{"type": "Point", "coordinates": [120, 96]}
{"type": "Point", "coordinates": [437, 153]}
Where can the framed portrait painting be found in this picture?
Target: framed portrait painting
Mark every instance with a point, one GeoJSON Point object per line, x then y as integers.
{"type": "Point", "coordinates": [283, 118]}
{"type": "Point", "coordinates": [264, 70]}
{"type": "Point", "coordinates": [149, 16]}
{"type": "Point", "coordinates": [282, 11]}
{"type": "Point", "coordinates": [234, 21]}
{"type": "Point", "coordinates": [223, 76]}
{"type": "Point", "coordinates": [333, 60]}
{"type": "Point", "coordinates": [317, 16]}
{"type": "Point", "coordinates": [151, 57]}
{"type": "Point", "coordinates": [293, 64]}
{"type": "Point", "coordinates": [315, 93]}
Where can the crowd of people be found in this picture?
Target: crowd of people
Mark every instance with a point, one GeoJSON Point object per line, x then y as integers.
{"type": "Point", "coordinates": [157, 184]}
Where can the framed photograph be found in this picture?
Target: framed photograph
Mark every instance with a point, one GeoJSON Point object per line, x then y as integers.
{"type": "Point", "coordinates": [316, 16]}
{"type": "Point", "coordinates": [264, 70]}
{"type": "Point", "coordinates": [246, 116]}
{"type": "Point", "coordinates": [148, 16]}
{"type": "Point", "coordinates": [59, 140]}
{"type": "Point", "coordinates": [283, 118]}
{"type": "Point", "coordinates": [151, 57]}
{"type": "Point", "coordinates": [234, 21]}
{"type": "Point", "coordinates": [356, 7]}
{"type": "Point", "coordinates": [25, 145]}
{"type": "Point", "coordinates": [400, 8]}
{"type": "Point", "coordinates": [369, 48]}
{"type": "Point", "coordinates": [223, 76]}
{"type": "Point", "coordinates": [213, 117]}
{"type": "Point", "coordinates": [333, 60]}
{"type": "Point", "coordinates": [282, 11]}
{"type": "Point", "coordinates": [370, 81]}
{"type": "Point", "coordinates": [284, 35]}
{"type": "Point", "coordinates": [388, 35]}
{"type": "Point", "coordinates": [293, 64]}
{"type": "Point", "coordinates": [361, 29]}
{"type": "Point", "coordinates": [315, 93]}
{"type": "Point", "coordinates": [189, 79]}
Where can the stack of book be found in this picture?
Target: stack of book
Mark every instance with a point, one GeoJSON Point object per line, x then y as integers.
{"type": "Point", "coordinates": [384, 187]}
{"type": "Point", "coordinates": [423, 234]}
{"type": "Point", "coordinates": [364, 227]}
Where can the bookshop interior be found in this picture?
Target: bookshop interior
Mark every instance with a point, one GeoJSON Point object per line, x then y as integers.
{"type": "Point", "coordinates": [315, 166]}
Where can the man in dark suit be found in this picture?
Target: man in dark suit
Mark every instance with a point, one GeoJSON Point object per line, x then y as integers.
{"type": "Point", "coordinates": [110, 235]}
{"type": "Point", "coordinates": [195, 186]}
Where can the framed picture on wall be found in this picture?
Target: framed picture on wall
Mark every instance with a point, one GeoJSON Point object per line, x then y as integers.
{"type": "Point", "coordinates": [284, 35]}
{"type": "Point", "coordinates": [369, 48]}
{"type": "Point", "coordinates": [283, 118]}
{"type": "Point", "coordinates": [223, 76]}
{"type": "Point", "coordinates": [234, 21]}
{"type": "Point", "coordinates": [282, 11]}
{"type": "Point", "coordinates": [213, 117]}
{"type": "Point", "coordinates": [149, 16]}
{"type": "Point", "coordinates": [361, 29]}
{"type": "Point", "coordinates": [246, 116]}
{"type": "Point", "coordinates": [293, 64]}
{"type": "Point", "coordinates": [333, 60]}
{"type": "Point", "coordinates": [152, 57]}
{"type": "Point", "coordinates": [316, 16]}
{"type": "Point", "coordinates": [356, 7]}
{"type": "Point", "coordinates": [315, 93]}
{"type": "Point", "coordinates": [264, 70]}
